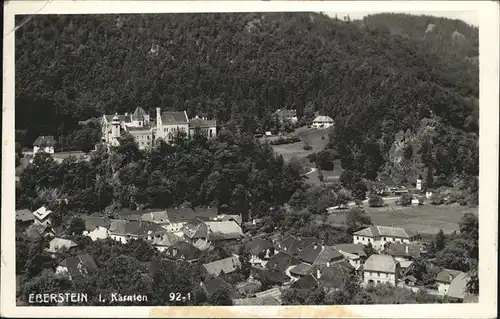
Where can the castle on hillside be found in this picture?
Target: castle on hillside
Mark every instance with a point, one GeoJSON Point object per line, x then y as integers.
{"type": "Point", "coordinates": [146, 132]}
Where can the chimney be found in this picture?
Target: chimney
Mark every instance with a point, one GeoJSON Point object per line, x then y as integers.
{"type": "Point", "coordinates": [450, 277]}
{"type": "Point", "coordinates": [318, 273]}
{"type": "Point", "coordinates": [254, 222]}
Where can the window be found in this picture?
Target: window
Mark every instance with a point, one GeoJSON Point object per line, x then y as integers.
{"type": "Point", "coordinates": [385, 238]}
{"type": "Point", "coordinates": [357, 237]}
{"type": "Point", "coordinates": [378, 274]}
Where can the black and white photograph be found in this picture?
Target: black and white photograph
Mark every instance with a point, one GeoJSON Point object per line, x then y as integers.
{"type": "Point", "coordinates": [311, 157]}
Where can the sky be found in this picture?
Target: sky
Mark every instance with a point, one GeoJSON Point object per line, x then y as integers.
{"type": "Point", "coordinates": [468, 17]}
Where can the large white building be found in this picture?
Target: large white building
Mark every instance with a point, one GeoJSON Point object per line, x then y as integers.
{"type": "Point", "coordinates": [378, 236]}
{"type": "Point", "coordinates": [145, 131]}
{"type": "Point", "coordinates": [380, 269]}
{"type": "Point", "coordinates": [322, 122]}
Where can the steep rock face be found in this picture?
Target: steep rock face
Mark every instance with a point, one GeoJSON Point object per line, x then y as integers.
{"type": "Point", "coordinates": [458, 38]}
{"type": "Point", "coordinates": [430, 28]}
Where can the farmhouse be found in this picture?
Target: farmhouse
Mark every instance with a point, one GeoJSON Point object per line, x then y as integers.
{"type": "Point", "coordinates": [378, 236]}
{"type": "Point", "coordinates": [44, 144]}
{"type": "Point", "coordinates": [223, 266]}
{"type": "Point", "coordinates": [380, 269]}
{"type": "Point", "coordinates": [96, 228]}
{"type": "Point", "coordinates": [444, 279]}
{"type": "Point", "coordinates": [286, 115]}
{"type": "Point", "coordinates": [42, 215]}
{"type": "Point", "coordinates": [322, 122]}
{"type": "Point", "coordinates": [79, 266]}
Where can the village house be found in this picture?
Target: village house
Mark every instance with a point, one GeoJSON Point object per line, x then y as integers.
{"type": "Point", "coordinates": [42, 215]}
{"type": "Point", "coordinates": [44, 144]}
{"type": "Point", "coordinates": [124, 231]}
{"type": "Point", "coordinates": [379, 269]}
{"type": "Point", "coordinates": [165, 240]}
{"type": "Point", "coordinates": [96, 228]}
{"type": "Point", "coordinates": [315, 254]}
{"type": "Point", "coordinates": [170, 123]}
{"type": "Point", "coordinates": [24, 219]}
{"type": "Point", "coordinates": [378, 236]}
{"type": "Point", "coordinates": [223, 233]}
{"type": "Point", "coordinates": [37, 231]}
{"type": "Point", "coordinates": [79, 266]}
{"type": "Point", "coordinates": [228, 217]}
{"type": "Point", "coordinates": [444, 279]}
{"type": "Point", "coordinates": [458, 288]}
{"type": "Point", "coordinates": [403, 252]}
{"type": "Point", "coordinates": [206, 213]}
{"type": "Point", "coordinates": [286, 115]}
{"type": "Point", "coordinates": [353, 253]}
{"type": "Point", "coordinates": [206, 127]}
{"type": "Point", "coordinates": [59, 245]}
{"type": "Point", "coordinates": [178, 217]}
{"type": "Point", "coordinates": [223, 266]}
{"type": "Point", "coordinates": [261, 250]}
{"type": "Point", "coordinates": [322, 122]}
{"type": "Point", "coordinates": [182, 250]}
{"type": "Point", "coordinates": [211, 286]}
{"type": "Point", "coordinates": [282, 262]}
{"type": "Point", "coordinates": [203, 245]}
{"type": "Point", "coordinates": [159, 216]}
{"type": "Point", "coordinates": [289, 245]}
{"type": "Point", "coordinates": [332, 276]}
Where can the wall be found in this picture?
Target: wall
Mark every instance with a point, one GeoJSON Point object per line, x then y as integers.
{"type": "Point", "coordinates": [168, 132]}
{"type": "Point", "coordinates": [47, 149]}
{"type": "Point", "coordinates": [98, 233]}
{"type": "Point", "coordinates": [443, 288]}
{"type": "Point", "coordinates": [379, 277]}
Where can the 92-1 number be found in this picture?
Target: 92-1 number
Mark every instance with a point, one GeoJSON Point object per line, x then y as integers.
{"type": "Point", "coordinates": [177, 296]}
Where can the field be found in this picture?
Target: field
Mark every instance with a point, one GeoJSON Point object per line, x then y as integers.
{"type": "Point", "coordinates": [427, 219]}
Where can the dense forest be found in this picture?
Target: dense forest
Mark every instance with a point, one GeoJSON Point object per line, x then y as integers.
{"type": "Point", "coordinates": [405, 99]}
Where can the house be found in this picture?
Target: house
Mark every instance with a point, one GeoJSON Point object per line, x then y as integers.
{"type": "Point", "coordinates": [283, 263]}
{"type": "Point", "coordinates": [273, 277]}
{"type": "Point", "coordinates": [260, 251]}
{"type": "Point", "coordinates": [136, 124]}
{"type": "Point", "coordinates": [378, 236]}
{"type": "Point", "coordinates": [403, 252]}
{"type": "Point", "coordinates": [300, 270]}
{"type": "Point", "coordinates": [201, 124]}
{"type": "Point", "coordinates": [444, 279]}
{"type": "Point", "coordinates": [183, 251]}
{"type": "Point", "coordinates": [318, 253]}
{"type": "Point", "coordinates": [322, 122]}
{"type": "Point", "coordinates": [96, 228]}
{"type": "Point", "coordinates": [44, 144]}
{"type": "Point", "coordinates": [224, 266]}
{"type": "Point", "coordinates": [159, 216]}
{"type": "Point", "coordinates": [165, 240]}
{"type": "Point", "coordinates": [307, 282]}
{"type": "Point", "coordinates": [286, 115]}
{"type": "Point", "coordinates": [24, 218]}
{"type": "Point", "coordinates": [124, 230]}
{"type": "Point", "coordinates": [332, 276]}
{"type": "Point", "coordinates": [415, 202]}
{"type": "Point", "coordinates": [42, 215]}
{"type": "Point", "coordinates": [458, 288]}
{"type": "Point", "coordinates": [206, 213]}
{"type": "Point", "coordinates": [37, 231]}
{"type": "Point", "coordinates": [356, 249]}
{"type": "Point", "coordinates": [170, 123]}
{"type": "Point", "coordinates": [274, 293]}
{"type": "Point", "coordinates": [203, 245]}
{"type": "Point", "coordinates": [213, 285]}
{"type": "Point", "coordinates": [354, 260]}
{"type": "Point", "coordinates": [229, 217]}
{"type": "Point", "coordinates": [195, 230]}
{"type": "Point", "coordinates": [256, 301]}
{"type": "Point", "coordinates": [223, 232]}
{"type": "Point", "coordinates": [249, 288]}
{"type": "Point", "coordinates": [293, 245]}
{"type": "Point", "coordinates": [60, 245]}
{"type": "Point", "coordinates": [79, 266]}
{"type": "Point", "coordinates": [177, 217]}
{"type": "Point", "coordinates": [380, 269]}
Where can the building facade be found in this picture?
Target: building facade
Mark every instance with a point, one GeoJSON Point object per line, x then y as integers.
{"type": "Point", "coordinates": [322, 122]}
{"type": "Point", "coordinates": [378, 236]}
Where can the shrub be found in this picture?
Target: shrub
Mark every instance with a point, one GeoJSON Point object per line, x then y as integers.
{"type": "Point", "coordinates": [437, 199]}
{"type": "Point", "coordinates": [405, 199]}
{"type": "Point", "coordinates": [376, 201]}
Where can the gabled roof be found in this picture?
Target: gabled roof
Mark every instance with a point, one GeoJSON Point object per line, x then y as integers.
{"type": "Point", "coordinates": [157, 216]}
{"type": "Point", "coordinates": [24, 215]}
{"type": "Point", "coordinates": [257, 245]}
{"type": "Point", "coordinates": [42, 213]}
{"type": "Point", "coordinates": [380, 263]}
{"type": "Point", "coordinates": [174, 117]}
{"type": "Point", "coordinates": [281, 261]}
{"type": "Point", "coordinates": [356, 249]}
{"type": "Point", "coordinates": [218, 230]}
{"type": "Point", "coordinates": [301, 269]}
{"type": "Point", "coordinates": [205, 213]}
{"type": "Point", "coordinates": [403, 250]}
{"type": "Point", "coordinates": [328, 254]}
{"type": "Point", "coordinates": [385, 231]}
{"type": "Point", "coordinates": [306, 241]}
{"type": "Point", "coordinates": [195, 229]}
{"type": "Point", "coordinates": [57, 245]}
{"type": "Point", "coordinates": [334, 276]}
{"type": "Point", "coordinates": [134, 228]}
{"type": "Point", "coordinates": [201, 123]}
{"type": "Point", "coordinates": [139, 114]}
{"type": "Point", "coordinates": [36, 231]}
{"type": "Point", "coordinates": [212, 285]}
{"type": "Point", "coordinates": [310, 253]}
{"type": "Point", "coordinates": [180, 215]}
{"type": "Point", "coordinates": [236, 218]}
{"type": "Point", "coordinates": [290, 245]}
{"type": "Point", "coordinates": [166, 240]}
{"type": "Point", "coordinates": [43, 141]}
{"type": "Point", "coordinates": [91, 223]}
{"type": "Point", "coordinates": [307, 282]}
{"type": "Point", "coordinates": [121, 118]}
{"type": "Point", "coordinates": [79, 265]}
{"type": "Point", "coordinates": [226, 265]}
{"type": "Point", "coordinates": [274, 276]}
{"type": "Point", "coordinates": [322, 119]}
{"type": "Point", "coordinates": [256, 301]}
{"type": "Point", "coordinates": [202, 244]}
{"type": "Point", "coordinates": [447, 275]}
{"type": "Point", "coordinates": [458, 286]}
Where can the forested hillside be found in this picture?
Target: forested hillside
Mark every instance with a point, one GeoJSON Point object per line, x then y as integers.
{"type": "Point", "coordinates": [242, 67]}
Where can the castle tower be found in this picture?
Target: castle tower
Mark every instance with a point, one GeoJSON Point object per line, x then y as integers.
{"type": "Point", "coordinates": [158, 117]}
{"type": "Point", "coordinates": [115, 127]}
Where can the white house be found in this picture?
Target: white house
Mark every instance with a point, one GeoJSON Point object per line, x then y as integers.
{"type": "Point", "coordinates": [379, 269]}
{"type": "Point", "coordinates": [286, 115]}
{"type": "Point", "coordinates": [169, 123]}
{"type": "Point", "coordinates": [260, 250]}
{"type": "Point", "coordinates": [96, 228]}
{"type": "Point", "coordinates": [124, 230]}
{"type": "Point", "coordinates": [137, 124]}
{"type": "Point", "coordinates": [42, 215]}
{"type": "Point", "coordinates": [444, 279]}
{"type": "Point", "coordinates": [322, 122]}
{"type": "Point", "coordinates": [378, 236]}
{"type": "Point", "coordinates": [44, 144]}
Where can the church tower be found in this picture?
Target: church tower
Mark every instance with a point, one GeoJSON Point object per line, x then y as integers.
{"type": "Point", "coordinates": [115, 127]}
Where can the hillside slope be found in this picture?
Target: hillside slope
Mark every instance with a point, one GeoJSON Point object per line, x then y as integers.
{"type": "Point", "coordinates": [242, 67]}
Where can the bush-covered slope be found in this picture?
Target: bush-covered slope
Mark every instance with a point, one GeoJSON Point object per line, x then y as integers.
{"type": "Point", "coordinates": [243, 67]}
